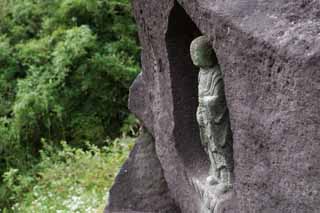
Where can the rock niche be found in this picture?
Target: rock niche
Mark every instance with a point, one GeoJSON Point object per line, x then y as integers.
{"type": "Point", "coordinates": [233, 127]}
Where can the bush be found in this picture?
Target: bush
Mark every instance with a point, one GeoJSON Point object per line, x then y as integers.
{"type": "Point", "coordinates": [65, 70]}
{"type": "Point", "coordinates": [68, 179]}
{"type": "Point", "coordinates": [66, 64]}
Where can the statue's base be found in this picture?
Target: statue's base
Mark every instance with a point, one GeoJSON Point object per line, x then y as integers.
{"type": "Point", "coordinates": [214, 199]}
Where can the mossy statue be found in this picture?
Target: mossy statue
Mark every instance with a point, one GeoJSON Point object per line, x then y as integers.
{"type": "Point", "coordinates": [214, 124]}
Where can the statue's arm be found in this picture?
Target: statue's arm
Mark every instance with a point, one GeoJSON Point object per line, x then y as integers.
{"type": "Point", "coordinates": [216, 103]}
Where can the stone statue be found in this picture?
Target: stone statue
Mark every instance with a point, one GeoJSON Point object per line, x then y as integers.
{"type": "Point", "coordinates": [213, 120]}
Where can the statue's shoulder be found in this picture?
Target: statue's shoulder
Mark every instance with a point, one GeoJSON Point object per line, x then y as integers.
{"type": "Point", "coordinates": [216, 69]}
{"type": "Point", "coordinates": [216, 74]}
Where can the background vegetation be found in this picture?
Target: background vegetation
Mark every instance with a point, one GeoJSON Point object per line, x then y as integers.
{"type": "Point", "coordinates": [65, 70]}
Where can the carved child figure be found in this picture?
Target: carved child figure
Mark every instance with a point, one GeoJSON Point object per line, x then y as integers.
{"type": "Point", "coordinates": [213, 116]}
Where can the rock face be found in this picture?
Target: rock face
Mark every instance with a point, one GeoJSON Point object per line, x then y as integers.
{"type": "Point", "coordinates": [140, 185]}
{"type": "Point", "coordinates": [269, 53]}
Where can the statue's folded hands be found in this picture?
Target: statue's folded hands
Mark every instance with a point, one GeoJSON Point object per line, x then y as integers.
{"type": "Point", "coordinates": [209, 100]}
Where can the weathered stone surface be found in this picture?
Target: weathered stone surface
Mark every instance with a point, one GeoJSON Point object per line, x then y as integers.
{"type": "Point", "coordinates": [269, 52]}
{"type": "Point", "coordinates": [214, 126]}
{"type": "Point", "coordinates": [140, 185]}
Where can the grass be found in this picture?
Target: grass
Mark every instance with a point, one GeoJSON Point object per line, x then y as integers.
{"type": "Point", "coordinates": [68, 179]}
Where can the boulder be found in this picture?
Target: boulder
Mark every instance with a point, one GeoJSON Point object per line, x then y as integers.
{"type": "Point", "coordinates": [269, 53]}
{"type": "Point", "coordinates": [140, 185]}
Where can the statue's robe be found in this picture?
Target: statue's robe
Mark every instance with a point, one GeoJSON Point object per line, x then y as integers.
{"type": "Point", "coordinates": [213, 119]}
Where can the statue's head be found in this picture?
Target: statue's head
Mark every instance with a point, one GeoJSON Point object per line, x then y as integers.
{"type": "Point", "coordinates": [202, 53]}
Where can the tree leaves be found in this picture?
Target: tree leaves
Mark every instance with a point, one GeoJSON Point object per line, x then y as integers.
{"type": "Point", "coordinates": [65, 70]}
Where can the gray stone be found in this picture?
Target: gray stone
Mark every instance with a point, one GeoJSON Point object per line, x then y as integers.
{"type": "Point", "coordinates": [140, 185]}
{"type": "Point", "coordinates": [214, 125]}
{"type": "Point", "coordinates": [269, 52]}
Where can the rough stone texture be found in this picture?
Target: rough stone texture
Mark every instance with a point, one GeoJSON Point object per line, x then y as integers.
{"type": "Point", "coordinates": [269, 52]}
{"type": "Point", "coordinates": [140, 185]}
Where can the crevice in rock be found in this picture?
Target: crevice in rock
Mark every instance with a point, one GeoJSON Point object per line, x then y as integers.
{"type": "Point", "coordinates": [184, 75]}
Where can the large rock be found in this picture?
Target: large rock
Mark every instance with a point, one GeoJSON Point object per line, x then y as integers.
{"type": "Point", "coordinates": [140, 185]}
{"type": "Point", "coordinates": [269, 52]}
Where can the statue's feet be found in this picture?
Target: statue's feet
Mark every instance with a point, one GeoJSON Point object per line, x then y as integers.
{"type": "Point", "coordinates": [212, 180]}
{"type": "Point", "coordinates": [222, 188]}
{"type": "Point", "coordinates": [225, 202]}
{"type": "Point", "coordinates": [215, 196]}
{"type": "Point", "coordinates": [209, 198]}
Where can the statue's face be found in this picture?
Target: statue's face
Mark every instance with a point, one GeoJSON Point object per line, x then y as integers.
{"type": "Point", "coordinates": [196, 58]}
{"type": "Point", "coordinates": [201, 53]}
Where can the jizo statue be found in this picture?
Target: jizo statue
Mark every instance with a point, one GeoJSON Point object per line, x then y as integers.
{"type": "Point", "coordinates": [213, 120]}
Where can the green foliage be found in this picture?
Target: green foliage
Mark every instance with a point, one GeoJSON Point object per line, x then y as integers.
{"type": "Point", "coordinates": [65, 70]}
{"type": "Point", "coordinates": [68, 179]}
{"type": "Point", "coordinates": [40, 100]}
{"type": "Point", "coordinates": [9, 71]}
{"type": "Point", "coordinates": [78, 66]}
